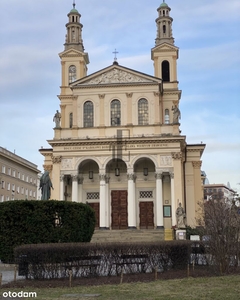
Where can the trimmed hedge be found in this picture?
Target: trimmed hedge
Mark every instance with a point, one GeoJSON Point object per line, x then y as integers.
{"type": "Point", "coordinates": [49, 261]}
{"type": "Point", "coordinates": [34, 222]}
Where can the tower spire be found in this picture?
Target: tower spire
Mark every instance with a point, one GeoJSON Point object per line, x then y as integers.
{"type": "Point", "coordinates": [74, 4]}
{"type": "Point", "coordinates": [164, 25]}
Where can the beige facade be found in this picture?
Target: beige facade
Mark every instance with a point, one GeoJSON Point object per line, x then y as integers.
{"type": "Point", "coordinates": [118, 145]}
{"type": "Point", "coordinates": [18, 177]}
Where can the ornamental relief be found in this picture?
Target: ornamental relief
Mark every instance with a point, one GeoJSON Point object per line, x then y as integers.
{"type": "Point", "coordinates": [67, 163]}
{"type": "Point", "coordinates": [56, 159]}
{"type": "Point", "coordinates": [196, 164]}
{"type": "Point", "coordinates": [117, 76]}
{"type": "Point", "coordinates": [165, 160]}
{"type": "Point", "coordinates": [177, 155]}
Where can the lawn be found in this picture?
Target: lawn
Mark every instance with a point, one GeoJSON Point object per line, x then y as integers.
{"type": "Point", "coordinates": [220, 288]}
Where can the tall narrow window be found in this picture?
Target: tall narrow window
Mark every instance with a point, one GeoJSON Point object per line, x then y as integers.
{"type": "Point", "coordinates": [165, 71]}
{"type": "Point", "coordinates": [166, 116]}
{"type": "Point", "coordinates": [72, 73]}
{"type": "Point", "coordinates": [164, 29]}
{"type": "Point", "coordinates": [88, 114]}
{"type": "Point", "coordinates": [70, 120]}
{"type": "Point", "coordinates": [115, 113]}
{"type": "Point", "coordinates": [142, 112]}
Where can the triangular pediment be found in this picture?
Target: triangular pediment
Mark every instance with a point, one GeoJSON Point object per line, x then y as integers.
{"type": "Point", "coordinates": [165, 47]}
{"type": "Point", "coordinates": [116, 74]}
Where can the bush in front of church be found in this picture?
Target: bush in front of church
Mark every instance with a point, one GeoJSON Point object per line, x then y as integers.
{"type": "Point", "coordinates": [34, 222]}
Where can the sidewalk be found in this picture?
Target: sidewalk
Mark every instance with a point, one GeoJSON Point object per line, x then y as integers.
{"type": "Point", "coordinates": [7, 272]}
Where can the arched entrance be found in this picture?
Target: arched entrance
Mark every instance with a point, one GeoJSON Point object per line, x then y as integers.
{"type": "Point", "coordinates": [117, 171]}
{"type": "Point", "coordinates": [144, 169]}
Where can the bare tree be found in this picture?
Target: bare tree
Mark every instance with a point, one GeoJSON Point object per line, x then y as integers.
{"type": "Point", "coordinates": [221, 224]}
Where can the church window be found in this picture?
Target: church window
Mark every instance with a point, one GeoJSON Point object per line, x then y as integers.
{"type": "Point", "coordinates": [72, 73]}
{"type": "Point", "coordinates": [72, 18]}
{"type": "Point", "coordinates": [142, 112]}
{"type": "Point", "coordinates": [165, 71]}
{"type": "Point", "coordinates": [166, 116]}
{"type": "Point", "coordinates": [115, 113]}
{"type": "Point", "coordinates": [88, 114]}
{"type": "Point", "coordinates": [164, 12]}
{"type": "Point", "coordinates": [70, 120]}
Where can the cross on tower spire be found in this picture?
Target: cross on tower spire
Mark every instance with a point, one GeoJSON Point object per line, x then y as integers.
{"type": "Point", "coordinates": [74, 4]}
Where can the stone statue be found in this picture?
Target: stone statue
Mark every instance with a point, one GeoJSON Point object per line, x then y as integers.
{"type": "Point", "coordinates": [176, 114]}
{"type": "Point", "coordinates": [45, 186]}
{"type": "Point", "coordinates": [180, 216]}
{"type": "Point", "coordinates": [57, 118]}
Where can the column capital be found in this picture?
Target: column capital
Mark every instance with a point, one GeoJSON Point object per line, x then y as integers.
{"type": "Point", "coordinates": [102, 177]}
{"type": "Point", "coordinates": [131, 176]}
{"type": "Point", "coordinates": [158, 175]}
{"type": "Point", "coordinates": [74, 177]}
{"type": "Point", "coordinates": [62, 177]}
{"type": "Point", "coordinates": [56, 159]}
{"type": "Point", "coordinates": [107, 179]}
{"type": "Point", "coordinates": [177, 155]}
{"type": "Point", "coordinates": [171, 175]}
{"type": "Point", "coordinates": [196, 164]}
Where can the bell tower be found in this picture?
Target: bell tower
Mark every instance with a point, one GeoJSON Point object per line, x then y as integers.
{"type": "Point", "coordinates": [165, 53]}
{"type": "Point", "coordinates": [73, 59]}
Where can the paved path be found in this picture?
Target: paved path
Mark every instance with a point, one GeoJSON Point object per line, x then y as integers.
{"type": "Point", "coordinates": [7, 272]}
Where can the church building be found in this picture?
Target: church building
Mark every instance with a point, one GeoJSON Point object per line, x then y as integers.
{"type": "Point", "coordinates": [117, 143]}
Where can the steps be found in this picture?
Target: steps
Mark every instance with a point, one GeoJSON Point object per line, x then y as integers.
{"type": "Point", "coordinates": [128, 235]}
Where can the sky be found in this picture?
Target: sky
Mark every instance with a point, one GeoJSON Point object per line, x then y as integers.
{"type": "Point", "coordinates": [32, 33]}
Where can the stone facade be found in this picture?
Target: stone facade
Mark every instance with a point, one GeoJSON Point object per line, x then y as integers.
{"type": "Point", "coordinates": [119, 147]}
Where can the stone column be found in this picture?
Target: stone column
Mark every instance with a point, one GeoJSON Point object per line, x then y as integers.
{"type": "Point", "coordinates": [107, 203]}
{"type": "Point", "coordinates": [74, 188]}
{"type": "Point", "coordinates": [102, 208]}
{"type": "Point", "coordinates": [159, 200]}
{"type": "Point", "coordinates": [62, 187]}
{"type": "Point", "coordinates": [173, 201]}
{"type": "Point", "coordinates": [80, 189]}
{"type": "Point", "coordinates": [132, 223]}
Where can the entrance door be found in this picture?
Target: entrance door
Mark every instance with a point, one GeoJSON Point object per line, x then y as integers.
{"type": "Point", "coordinates": [119, 210]}
{"type": "Point", "coordinates": [146, 215]}
{"type": "Point", "coordinates": [95, 207]}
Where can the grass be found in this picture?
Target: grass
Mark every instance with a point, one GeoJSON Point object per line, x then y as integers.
{"type": "Point", "coordinates": [220, 288]}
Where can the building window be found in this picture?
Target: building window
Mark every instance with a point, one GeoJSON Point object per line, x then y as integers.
{"type": "Point", "coordinates": [88, 114]}
{"type": "Point", "coordinates": [18, 189]}
{"type": "Point", "coordinates": [22, 190]}
{"type": "Point", "coordinates": [165, 71]}
{"type": "Point", "coordinates": [8, 186]}
{"type": "Point", "coordinates": [3, 169]}
{"type": "Point", "coordinates": [14, 173]}
{"type": "Point", "coordinates": [93, 195]}
{"type": "Point", "coordinates": [9, 171]}
{"type": "Point", "coordinates": [145, 194]}
{"type": "Point", "coordinates": [166, 116]}
{"type": "Point", "coordinates": [166, 211]}
{"type": "Point", "coordinates": [72, 73]}
{"type": "Point", "coordinates": [70, 120]}
{"type": "Point", "coordinates": [26, 178]}
{"type": "Point", "coordinates": [142, 112]}
{"type": "Point", "coordinates": [23, 177]}
{"type": "Point", "coordinates": [164, 29]}
{"type": "Point", "coordinates": [34, 194]}
{"type": "Point", "coordinates": [2, 198]}
{"type": "Point", "coordinates": [3, 184]}
{"type": "Point", "coordinates": [13, 187]}
{"type": "Point", "coordinates": [19, 175]}
{"type": "Point", "coordinates": [115, 113]}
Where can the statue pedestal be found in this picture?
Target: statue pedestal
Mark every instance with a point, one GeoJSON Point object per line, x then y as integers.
{"type": "Point", "coordinates": [181, 234]}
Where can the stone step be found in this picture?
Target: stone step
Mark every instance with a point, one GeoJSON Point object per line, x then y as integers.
{"type": "Point", "coordinates": [101, 236]}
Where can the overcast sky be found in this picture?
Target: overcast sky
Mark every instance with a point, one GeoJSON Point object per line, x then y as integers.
{"type": "Point", "coordinates": [32, 33]}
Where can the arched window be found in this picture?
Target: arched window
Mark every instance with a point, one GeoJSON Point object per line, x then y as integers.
{"type": "Point", "coordinates": [115, 113]}
{"type": "Point", "coordinates": [164, 29]}
{"type": "Point", "coordinates": [88, 114]}
{"type": "Point", "coordinates": [166, 116]}
{"type": "Point", "coordinates": [72, 73]}
{"type": "Point", "coordinates": [142, 112]}
{"type": "Point", "coordinates": [70, 120]}
{"type": "Point", "coordinates": [165, 71]}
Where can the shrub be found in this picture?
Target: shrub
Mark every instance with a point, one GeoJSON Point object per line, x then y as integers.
{"type": "Point", "coordinates": [34, 222]}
